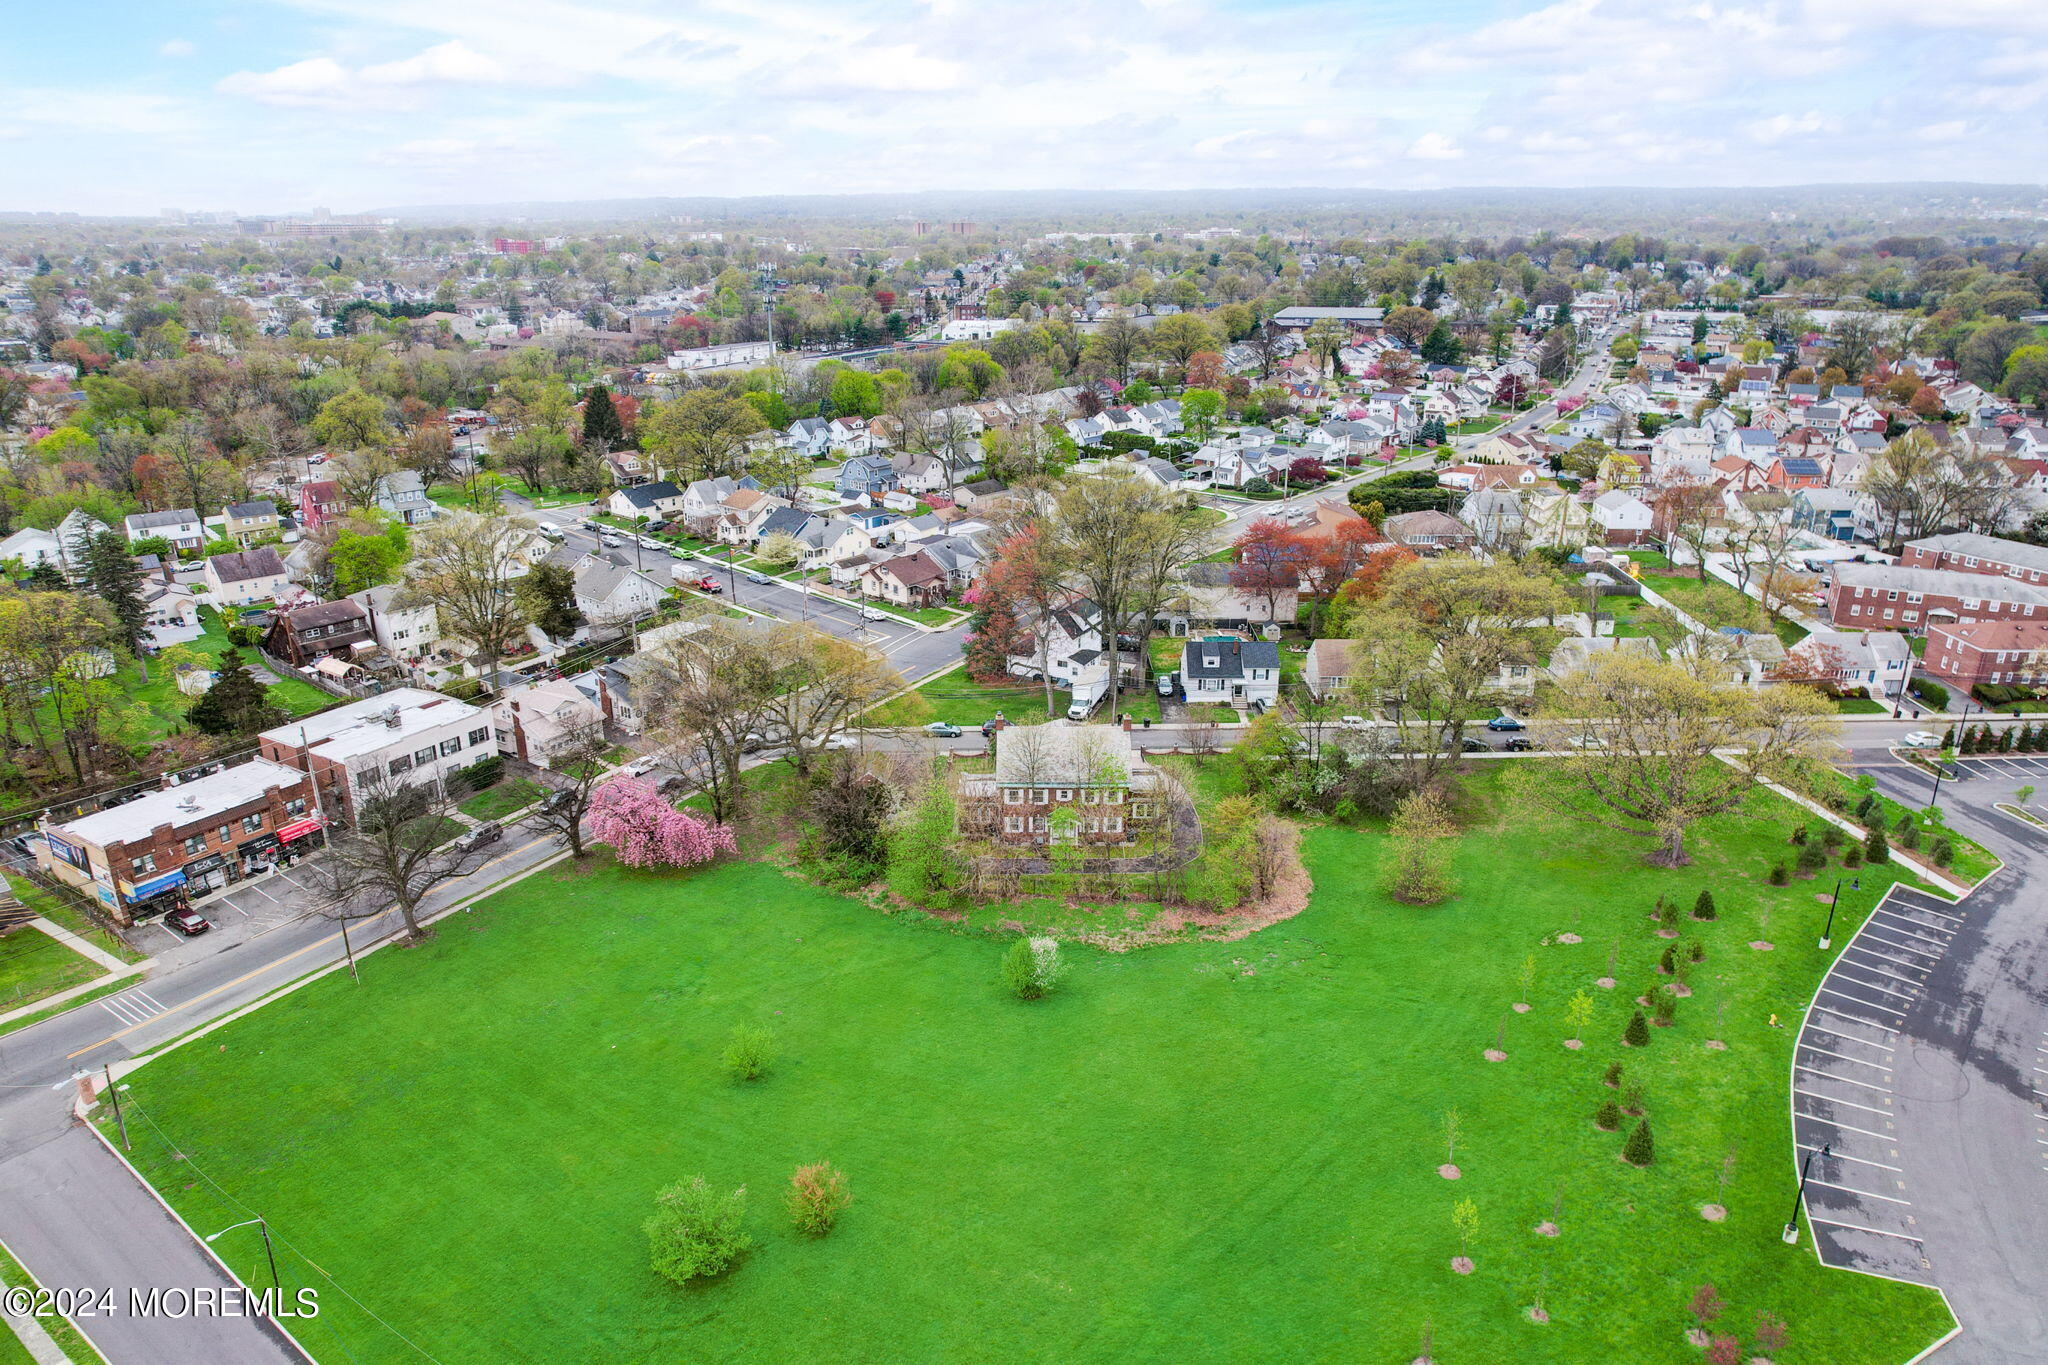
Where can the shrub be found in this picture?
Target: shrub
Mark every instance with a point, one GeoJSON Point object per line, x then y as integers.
{"type": "Point", "coordinates": [1641, 1148]}
{"type": "Point", "coordinates": [1778, 875]}
{"type": "Point", "coordinates": [1812, 858]}
{"type": "Point", "coordinates": [1632, 1101]}
{"type": "Point", "coordinates": [1724, 1350]}
{"type": "Point", "coordinates": [1944, 853]}
{"type": "Point", "coordinates": [1257, 484]}
{"type": "Point", "coordinates": [1664, 1005]}
{"type": "Point", "coordinates": [1696, 951]}
{"type": "Point", "coordinates": [1831, 838]}
{"type": "Point", "coordinates": [749, 1053]}
{"type": "Point", "coordinates": [482, 774]}
{"type": "Point", "coordinates": [1909, 837]}
{"type": "Point", "coordinates": [1854, 857]}
{"type": "Point", "coordinates": [1668, 963]}
{"type": "Point", "coordinates": [1637, 1034]}
{"type": "Point", "coordinates": [1931, 692]}
{"type": "Point", "coordinates": [1607, 1117]}
{"type": "Point", "coordinates": [1703, 908]}
{"type": "Point", "coordinates": [1799, 835]}
{"type": "Point", "coordinates": [1864, 808]}
{"type": "Point", "coordinates": [695, 1231]}
{"type": "Point", "coordinates": [1032, 967]}
{"type": "Point", "coordinates": [1612, 1076]}
{"type": "Point", "coordinates": [817, 1196]}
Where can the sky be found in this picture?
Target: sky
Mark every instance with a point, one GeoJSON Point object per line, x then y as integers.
{"type": "Point", "coordinates": [281, 105]}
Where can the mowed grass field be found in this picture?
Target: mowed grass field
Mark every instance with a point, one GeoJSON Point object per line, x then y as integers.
{"type": "Point", "coordinates": [1200, 1152]}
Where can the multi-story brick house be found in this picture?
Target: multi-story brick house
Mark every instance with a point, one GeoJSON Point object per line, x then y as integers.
{"type": "Point", "coordinates": [2011, 653]}
{"type": "Point", "coordinates": [1894, 597]}
{"type": "Point", "coordinates": [1080, 784]}
{"type": "Point", "coordinates": [1968, 552]}
{"type": "Point", "coordinates": [149, 856]}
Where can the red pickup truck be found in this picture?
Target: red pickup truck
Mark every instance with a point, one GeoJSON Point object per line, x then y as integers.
{"type": "Point", "coordinates": [708, 584]}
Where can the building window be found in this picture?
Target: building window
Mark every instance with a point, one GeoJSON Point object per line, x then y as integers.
{"type": "Point", "coordinates": [1064, 794]}
{"type": "Point", "coordinates": [296, 806]}
{"type": "Point", "coordinates": [425, 757]}
{"type": "Point", "coordinates": [224, 834]}
{"type": "Point", "coordinates": [400, 766]}
{"type": "Point", "coordinates": [1091, 798]}
{"type": "Point", "coordinates": [195, 845]}
{"type": "Point", "coordinates": [451, 746]}
{"type": "Point", "coordinates": [1114, 797]}
{"type": "Point", "coordinates": [1013, 824]}
{"type": "Point", "coordinates": [144, 865]}
{"type": "Point", "coordinates": [1114, 824]}
{"type": "Point", "coordinates": [1013, 796]}
{"type": "Point", "coordinates": [480, 735]}
{"type": "Point", "coordinates": [1038, 825]}
{"type": "Point", "coordinates": [252, 823]}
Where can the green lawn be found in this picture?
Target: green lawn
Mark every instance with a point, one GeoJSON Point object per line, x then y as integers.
{"type": "Point", "coordinates": [34, 965]}
{"type": "Point", "coordinates": [958, 698]}
{"type": "Point", "coordinates": [1200, 1152]}
{"type": "Point", "coordinates": [163, 706]}
{"type": "Point", "coordinates": [1973, 862]}
{"type": "Point", "coordinates": [1714, 603]}
{"type": "Point", "coordinates": [65, 914]}
{"type": "Point", "coordinates": [495, 803]}
{"type": "Point", "coordinates": [1861, 706]}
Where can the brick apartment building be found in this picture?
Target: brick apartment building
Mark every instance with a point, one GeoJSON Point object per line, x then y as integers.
{"type": "Point", "coordinates": [1967, 552]}
{"type": "Point", "coordinates": [1896, 597]}
{"type": "Point", "coordinates": [2002, 652]}
{"type": "Point", "coordinates": [407, 735]}
{"type": "Point", "coordinates": [157, 853]}
{"type": "Point", "coordinates": [1069, 784]}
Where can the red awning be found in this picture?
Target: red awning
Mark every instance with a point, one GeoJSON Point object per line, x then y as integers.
{"type": "Point", "coordinates": [298, 829]}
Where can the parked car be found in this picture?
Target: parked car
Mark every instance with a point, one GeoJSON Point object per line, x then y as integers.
{"type": "Point", "coordinates": [1921, 739]}
{"type": "Point", "coordinates": [1520, 744]}
{"type": "Point", "coordinates": [941, 729]}
{"type": "Point", "coordinates": [1166, 684]}
{"type": "Point", "coordinates": [708, 584]}
{"type": "Point", "coordinates": [1475, 746]}
{"type": "Point", "coordinates": [611, 540]}
{"type": "Point", "coordinates": [873, 614]}
{"type": "Point", "coordinates": [988, 729]}
{"type": "Point", "coordinates": [756, 576]}
{"type": "Point", "coordinates": [480, 836]}
{"type": "Point", "coordinates": [1504, 722]}
{"type": "Point", "coordinates": [188, 922]}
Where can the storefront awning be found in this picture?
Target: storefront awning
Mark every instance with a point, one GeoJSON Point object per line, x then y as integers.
{"type": "Point", "coordinates": [298, 829]}
{"type": "Point", "coordinates": [142, 891]}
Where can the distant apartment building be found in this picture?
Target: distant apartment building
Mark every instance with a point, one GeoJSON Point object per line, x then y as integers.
{"type": "Point", "coordinates": [1896, 597]}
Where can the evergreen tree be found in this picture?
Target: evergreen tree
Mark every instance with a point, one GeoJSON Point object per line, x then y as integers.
{"type": "Point", "coordinates": [1778, 875]}
{"type": "Point", "coordinates": [1637, 1034]}
{"type": "Point", "coordinates": [1668, 963]}
{"type": "Point", "coordinates": [1612, 1077]}
{"type": "Point", "coordinates": [602, 428]}
{"type": "Point", "coordinates": [1607, 1117]}
{"type": "Point", "coordinates": [1944, 853]}
{"type": "Point", "coordinates": [1909, 836]}
{"type": "Point", "coordinates": [1875, 849]}
{"type": "Point", "coordinates": [116, 579]}
{"type": "Point", "coordinates": [47, 577]}
{"type": "Point", "coordinates": [547, 594]}
{"type": "Point", "coordinates": [1441, 346]}
{"type": "Point", "coordinates": [235, 704]}
{"type": "Point", "coordinates": [1641, 1148]}
{"type": "Point", "coordinates": [1812, 858]}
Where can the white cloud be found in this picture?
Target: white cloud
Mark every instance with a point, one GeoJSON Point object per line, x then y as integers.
{"type": "Point", "coordinates": [176, 47]}
{"type": "Point", "coordinates": [317, 82]}
{"type": "Point", "coordinates": [1780, 127]}
{"type": "Point", "coordinates": [449, 63]}
{"type": "Point", "coordinates": [1435, 146]}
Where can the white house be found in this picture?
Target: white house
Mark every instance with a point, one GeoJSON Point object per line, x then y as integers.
{"type": "Point", "coordinates": [181, 526]}
{"type": "Point", "coordinates": [244, 577]}
{"type": "Point", "coordinates": [1622, 518]}
{"type": "Point", "coordinates": [32, 547]}
{"type": "Point", "coordinates": [657, 501]}
{"type": "Point", "coordinates": [1231, 672]}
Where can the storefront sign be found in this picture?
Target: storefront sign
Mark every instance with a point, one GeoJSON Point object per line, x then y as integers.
{"type": "Point", "coordinates": [298, 829]}
{"type": "Point", "coordinates": [142, 891]}
{"type": "Point", "coordinates": [69, 852]}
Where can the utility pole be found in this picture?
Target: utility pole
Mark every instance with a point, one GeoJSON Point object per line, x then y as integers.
{"type": "Point", "coordinates": [1799, 1195]}
{"type": "Point", "coordinates": [115, 1096]}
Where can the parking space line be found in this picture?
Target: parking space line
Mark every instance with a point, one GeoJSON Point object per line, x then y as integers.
{"type": "Point", "coordinates": [1868, 1004]}
{"type": "Point", "coordinates": [1854, 981]}
{"type": "Point", "coordinates": [1854, 1227]}
{"type": "Point", "coordinates": [1824, 1099]}
{"type": "Point", "coordinates": [1905, 947]}
{"type": "Point", "coordinates": [1880, 1066]}
{"type": "Point", "coordinates": [266, 895]}
{"type": "Point", "coordinates": [1880, 970]}
{"type": "Point", "coordinates": [1926, 933]}
{"type": "Point", "coordinates": [1809, 1147]}
{"type": "Point", "coordinates": [1845, 1127]}
{"type": "Point", "coordinates": [1910, 905]}
{"type": "Point", "coordinates": [1830, 1076]}
{"type": "Point", "coordinates": [1867, 1023]}
{"type": "Point", "coordinates": [1851, 1189]}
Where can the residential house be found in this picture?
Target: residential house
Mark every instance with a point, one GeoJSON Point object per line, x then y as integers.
{"type": "Point", "coordinates": [243, 522]}
{"type": "Point", "coordinates": [30, 547]}
{"type": "Point", "coordinates": [181, 526]}
{"type": "Point", "coordinates": [1231, 672]}
{"type": "Point", "coordinates": [1429, 532]}
{"type": "Point", "coordinates": [402, 495]}
{"type": "Point", "coordinates": [658, 501]}
{"type": "Point", "coordinates": [243, 577]}
{"type": "Point", "coordinates": [1969, 552]}
{"type": "Point", "coordinates": [1066, 784]}
{"type": "Point", "coordinates": [320, 502]}
{"type": "Point", "coordinates": [610, 591]}
{"type": "Point", "coordinates": [407, 634]}
{"type": "Point", "coordinates": [1875, 661]}
{"type": "Point", "coordinates": [1575, 652]}
{"type": "Point", "coordinates": [1067, 645]}
{"type": "Point", "coordinates": [1621, 518]}
{"type": "Point", "coordinates": [1495, 516]}
{"type": "Point", "coordinates": [1209, 598]}
{"type": "Point", "coordinates": [1328, 669]}
{"type": "Point", "coordinates": [912, 580]}
{"type": "Point", "coordinates": [533, 723]}
{"type": "Point", "coordinates": [304, 635]}
{"type": "Point", "coordinates": [864, 475]}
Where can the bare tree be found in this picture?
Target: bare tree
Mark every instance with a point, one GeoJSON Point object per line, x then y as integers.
{"type": "Point", "coordinates": [399, 847]}
{"type": "Point", "coordinates": [823, 683]}
{"type": "Point", "coordinates": [575, 768]}
{"type": "Point", "coordinates": [710, 708]}
{"type": "Point", "coordinates": [466, 566]}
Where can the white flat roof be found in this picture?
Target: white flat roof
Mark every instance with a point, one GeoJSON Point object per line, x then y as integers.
{"type": "Point", "coordinates": [361, 727]}
{"type": "Point", "coordinates": [189, 803]}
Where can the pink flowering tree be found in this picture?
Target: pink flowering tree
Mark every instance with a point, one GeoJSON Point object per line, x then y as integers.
{"type": "Point", "coordinates": [645, 831]}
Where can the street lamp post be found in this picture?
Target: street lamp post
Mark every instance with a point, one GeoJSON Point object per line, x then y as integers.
{"type": "Point", "coordinates": [1799, 1195]}
{"type": "Point", "coordinates": [268, 1249]}
{"type": "Point", "coordinates": [1827, 936]}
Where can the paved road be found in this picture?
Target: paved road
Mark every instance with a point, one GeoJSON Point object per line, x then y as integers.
{"type": "Point", "coordinates": [1949, 1006]}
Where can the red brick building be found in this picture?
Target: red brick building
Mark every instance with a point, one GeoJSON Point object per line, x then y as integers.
{"type": "Point", "coordinates": [1062, 784]}
{"type": "Point", "coordinates": [2009, 652]}
{"type": "Point", "coordinates": [1967, 552]}
{"type": "Point", "coordinates": [1895, 597]}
